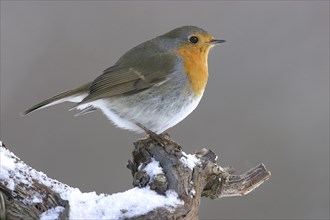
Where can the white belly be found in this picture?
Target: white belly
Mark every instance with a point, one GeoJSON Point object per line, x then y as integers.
{"type": "Point", "coordinates": [147, 115]}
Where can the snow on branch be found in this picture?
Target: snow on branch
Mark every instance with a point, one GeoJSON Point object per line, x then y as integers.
{"type": "Point", "coordinates": [168, 184]}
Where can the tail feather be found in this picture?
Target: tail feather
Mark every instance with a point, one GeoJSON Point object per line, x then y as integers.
{"type": "Point", "coordinates": [75, 95]}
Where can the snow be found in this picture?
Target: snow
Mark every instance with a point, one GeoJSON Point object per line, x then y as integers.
{"type": "Point", "coordinates": [190, 160]}
{"type": "Point", "coordinates": [153, 168]}
{"type": "Point", "coordinates": [52, 213]}
{"type": "Point", "coordinates": [133, 202]}
{"type": "Point", "coordinates": [7, 164]}
{"type": "Point", "coordinates": [10, 184]}
{"type": "Point", "coordinates": [36, 199]}
{"type": "Point", "coordinates": [89, 205]}
{"type": "Point", "coordinates": [192, 192]}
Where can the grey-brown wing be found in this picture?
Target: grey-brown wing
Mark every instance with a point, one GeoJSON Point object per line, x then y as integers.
{"type": "Point", "coordinates": [132, 78]}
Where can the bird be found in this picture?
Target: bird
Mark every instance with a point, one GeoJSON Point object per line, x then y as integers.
{"type": "Point", "coordinates": [152, 87]}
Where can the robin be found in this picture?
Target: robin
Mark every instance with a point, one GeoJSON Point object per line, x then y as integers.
{"type": "Point", "coordinates": [152, 87]}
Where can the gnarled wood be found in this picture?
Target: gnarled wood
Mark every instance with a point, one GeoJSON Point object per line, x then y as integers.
{"type": "Point", "coordinates": [206, 178]}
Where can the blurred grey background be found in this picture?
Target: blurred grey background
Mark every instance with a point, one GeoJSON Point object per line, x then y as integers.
{"type": "Point", "coordinates": [267, 99]}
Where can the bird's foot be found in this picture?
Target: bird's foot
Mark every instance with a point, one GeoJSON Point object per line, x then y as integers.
{"type": "Point", "coordinates": [165, 137]}
{"type": "Point", "coordinates": [162, 139]}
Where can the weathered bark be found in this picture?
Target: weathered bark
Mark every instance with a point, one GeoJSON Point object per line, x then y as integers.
{"type": "Point", "coordinates": [205, 179]}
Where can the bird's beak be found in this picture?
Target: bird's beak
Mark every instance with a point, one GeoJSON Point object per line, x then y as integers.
{"type": "Point", "coordinates": [215, 42]}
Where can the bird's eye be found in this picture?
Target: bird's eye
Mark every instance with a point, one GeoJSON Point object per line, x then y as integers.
{"type": "Point", "coordinates": [193, 39]}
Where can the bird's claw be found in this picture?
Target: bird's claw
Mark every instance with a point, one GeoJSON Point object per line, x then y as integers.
{"type": "Point", "coordinates": [162, 139]}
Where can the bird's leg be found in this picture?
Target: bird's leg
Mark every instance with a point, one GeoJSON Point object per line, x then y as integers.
{"type": "Point", "coordinates": [152, 134]}
{"type": "Point", "coordinates": [160, 138]}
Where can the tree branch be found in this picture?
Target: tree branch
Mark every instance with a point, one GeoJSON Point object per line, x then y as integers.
{"type": "Point", "coordinates": [162, 168]}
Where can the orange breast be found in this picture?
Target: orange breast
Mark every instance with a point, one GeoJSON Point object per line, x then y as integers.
{"type": "Point", "coordinates": [195, 65]}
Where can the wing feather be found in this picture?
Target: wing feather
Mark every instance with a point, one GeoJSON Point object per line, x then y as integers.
{"type": "Point", "coordinates": [131, 78]}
